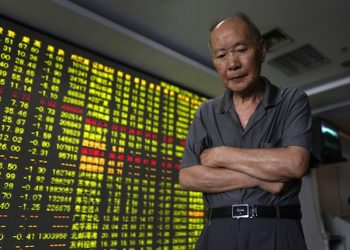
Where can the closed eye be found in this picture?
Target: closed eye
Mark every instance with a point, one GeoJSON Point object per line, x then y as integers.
{"type": "Point", "coordinates": [220, 56]}
{"type": "Point", "coordinates": [241, 50]}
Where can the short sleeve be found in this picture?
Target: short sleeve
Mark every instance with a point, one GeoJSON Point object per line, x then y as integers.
{"type": "Point", "coordinates": [197, 140]}
{"type": "Point", "coordinates": [298, 124]}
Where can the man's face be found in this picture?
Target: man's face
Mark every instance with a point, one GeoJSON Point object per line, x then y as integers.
{"type": "Point", "coordinates": [236, 55]}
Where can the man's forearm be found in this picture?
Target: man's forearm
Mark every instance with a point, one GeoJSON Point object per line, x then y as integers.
{"type": "Point", "coordinates": [213, 180]}
{"type": "Point", "coordinates": [273, 164]}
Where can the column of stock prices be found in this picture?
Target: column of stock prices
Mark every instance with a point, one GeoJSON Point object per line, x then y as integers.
{"type": "Point", "coordinates": [90, 151]}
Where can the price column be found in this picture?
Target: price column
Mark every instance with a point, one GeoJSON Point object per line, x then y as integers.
{"type": "Point", "coordinates": [6, 184]}
{"type": "Point", "coordinates": [131, 170]}
{"type": "Point", "coordinates": [165, 158]}
{"type": "Point", "coordinates": [16, 108]}
{"type": "Point", "coordinates": [8, 166]}
{"type": "Point", "coordinates": [196, 215]}
{"type": "Point", "coordinates": [66, 151]}
{"type": "Point", "coordinates": [180, 206]}
{"type": "Point", "coordinates": [116, 164]}
{"type": "Point", "coordinates": [91, 180]}
{"type": "Point", "coordinates": [35, 177]}
{"type": "Point", "coordinates": [146, 161]}
{"type": "Point", "coordinates": [113, 179]}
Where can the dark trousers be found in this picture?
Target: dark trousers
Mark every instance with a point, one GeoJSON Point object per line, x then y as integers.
{"type": "Point", "coordinates": [252, 234]}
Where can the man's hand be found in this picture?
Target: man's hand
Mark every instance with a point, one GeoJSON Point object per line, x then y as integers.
{"type": "Point", "coordinates": [272, 187]}
{"type": "Point", "coordinates": [210, 157]}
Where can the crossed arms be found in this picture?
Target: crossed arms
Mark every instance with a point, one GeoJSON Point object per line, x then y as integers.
{"type": "Point", "coordinates": [227, 168]}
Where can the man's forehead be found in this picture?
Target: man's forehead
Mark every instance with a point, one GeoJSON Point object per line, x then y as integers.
{"type": "Point", "coordinates": [230, 28]}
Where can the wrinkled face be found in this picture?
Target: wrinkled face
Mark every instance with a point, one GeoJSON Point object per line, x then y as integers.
{"type": "Point", "coordinates": [236, 55]}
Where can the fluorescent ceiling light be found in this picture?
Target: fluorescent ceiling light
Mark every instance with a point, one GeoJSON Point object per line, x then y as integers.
{"type": "Point", "coordinates": [328, 86]}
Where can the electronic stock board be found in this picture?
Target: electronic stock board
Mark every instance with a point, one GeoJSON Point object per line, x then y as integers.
{"type": "Point", "coordinates": [90, 150]}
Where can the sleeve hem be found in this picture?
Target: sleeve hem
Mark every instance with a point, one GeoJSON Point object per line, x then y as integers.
{"type": "Point", "coordinates": [189, 164]}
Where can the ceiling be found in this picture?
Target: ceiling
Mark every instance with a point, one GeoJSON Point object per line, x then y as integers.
{"type": "Point", "coordinates": [168, 39]}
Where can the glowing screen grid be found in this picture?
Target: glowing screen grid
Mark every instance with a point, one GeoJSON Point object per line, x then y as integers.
{"type": "Point", "coordinates": [90, 151]}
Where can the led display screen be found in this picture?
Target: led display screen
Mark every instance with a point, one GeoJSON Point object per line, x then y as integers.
{"type": "Point", "coordinates": [326, 141]}
{"type": "Point", "coordinates": [90, 150]}
{"type": "Point", "coordinates": [331, 138]}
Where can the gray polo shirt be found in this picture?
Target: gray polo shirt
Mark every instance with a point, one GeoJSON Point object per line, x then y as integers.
{"type": "Point", "coordinates": [283, 118]}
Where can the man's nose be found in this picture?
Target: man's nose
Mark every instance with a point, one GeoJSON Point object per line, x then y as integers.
{"type": "Point", "coordinates": [233, 61]}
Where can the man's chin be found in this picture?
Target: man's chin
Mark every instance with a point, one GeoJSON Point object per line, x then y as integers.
{"type": "Point", "coordinates": [236, 85]}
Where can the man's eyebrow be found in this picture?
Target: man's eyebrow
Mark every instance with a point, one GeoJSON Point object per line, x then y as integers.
{"type": "Point", "coordinates": [219, 50]}
{"type": "Point", "coordinates": [240, 43]}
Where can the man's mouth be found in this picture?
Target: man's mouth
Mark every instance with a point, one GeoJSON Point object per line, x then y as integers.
{"type": "Point", "coordinates": [236, 78]}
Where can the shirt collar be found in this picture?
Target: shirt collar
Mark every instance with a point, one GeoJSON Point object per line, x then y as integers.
{"type": "Point", "coordinates": [272, 97]}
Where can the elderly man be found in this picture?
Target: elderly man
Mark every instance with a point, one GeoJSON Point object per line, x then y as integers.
{"type": "Point", "coordinates": [248, 149]}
